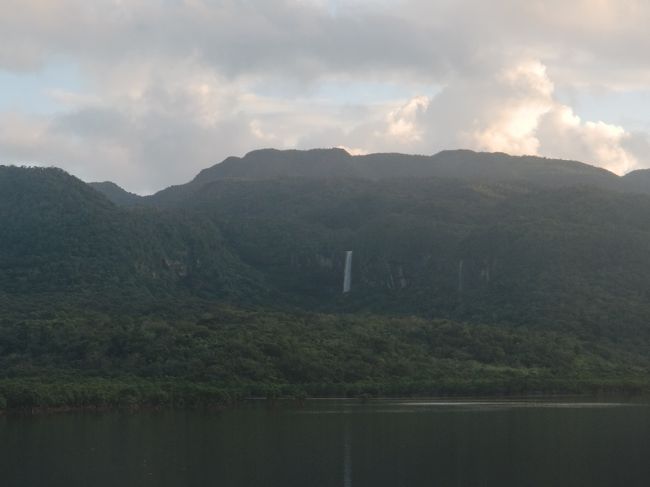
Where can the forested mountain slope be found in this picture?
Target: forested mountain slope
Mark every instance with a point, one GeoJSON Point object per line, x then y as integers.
{"type": "Point", "coordinates": [116, 194]}
{"type": "Point", "coordinates": [57, 234]}
{"type": "Point", "coordinates": [570, 257]}
{"type": "Point", "coordinates": [638, 181]}
{"type": "Point", "coordinates": [461, 281]}
{"type": "Point", "coordinates": [512, 252]}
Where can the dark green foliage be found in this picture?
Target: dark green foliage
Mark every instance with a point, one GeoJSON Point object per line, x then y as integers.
{"type": "Point", "coordinates": [487, 283]}
{"type": "Point", "coordinates": [568, 259]}
{"type": "Point", "coordinates": [57, 234]}
{"type": "Point", "coordinates": [96, 360]}
{"type": "Point", "coordinates": [84, 393]}
{"type": "Point", "coordinates": [638, 180]}
{"type": "Point", "coordinates": [116, 194]}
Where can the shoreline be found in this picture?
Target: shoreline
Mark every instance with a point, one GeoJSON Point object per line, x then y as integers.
{"type": "Point", "coordinates": [41, 397]}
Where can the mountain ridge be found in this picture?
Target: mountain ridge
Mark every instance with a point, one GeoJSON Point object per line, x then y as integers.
{"type": "Point", "coordinates": [115, 193]}
{"type": "Point", "coordinates": [335, 163]}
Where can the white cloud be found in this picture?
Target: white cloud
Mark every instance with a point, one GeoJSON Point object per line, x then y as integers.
{"type": "Point", "coordinates": [565, 135]}
{"type": "Point", "coordinates": [523, 94]}
{"type": "Point", "coordinates": [170, 87]}
{"type": "Point", "coordinates": [515, 111]}
{"type": "Point", "coordinates": [402, 122]}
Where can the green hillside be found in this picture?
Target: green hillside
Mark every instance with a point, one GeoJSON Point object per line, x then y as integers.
{"type": "Point", "coordinates": [58, 235]}
{"type": "Point", "coordinates": [233, 283]}
{"type": "Point", "coordinates": [571, 257]}
{"type": "Point", "coordinates": [116, 194]}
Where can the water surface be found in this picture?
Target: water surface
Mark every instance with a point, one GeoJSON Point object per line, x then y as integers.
{"type": "Point", "coordinates": [337, 443]}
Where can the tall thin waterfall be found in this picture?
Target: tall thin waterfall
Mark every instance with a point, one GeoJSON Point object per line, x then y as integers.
{"type": "Point", "coordinates": [347, 277]}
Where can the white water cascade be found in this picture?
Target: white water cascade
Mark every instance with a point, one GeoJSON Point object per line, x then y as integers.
{"type": "Point", "coordinates": [347, 276]}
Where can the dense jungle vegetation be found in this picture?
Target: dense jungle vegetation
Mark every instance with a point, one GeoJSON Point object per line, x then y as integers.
{"type": "Point", "coordinates": [472, 274]}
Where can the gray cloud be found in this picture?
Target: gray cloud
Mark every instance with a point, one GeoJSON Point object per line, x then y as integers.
{"type": "Point", "coordinates": [303, 39]}
{"type": "Point", "coordinates": [171, 86]}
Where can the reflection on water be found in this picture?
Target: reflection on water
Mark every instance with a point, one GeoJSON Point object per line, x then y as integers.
{"type": "Point", "coordinates": [333, 443]}
{"type": "Point", "coordinates": [347, 459]}
{"type": "Point", "coordinates": [486, 405]}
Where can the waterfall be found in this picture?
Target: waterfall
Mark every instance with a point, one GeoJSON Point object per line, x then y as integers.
{"type": "Point", "coordinates": [347, 276]}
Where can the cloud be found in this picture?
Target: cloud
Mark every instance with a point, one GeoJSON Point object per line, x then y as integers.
{"type": "Point", "coordinates": [308, 38]}
{"type": "Point", "coordinates": [515, 111]}
{"type": "Point", "coordinates": [171, 86]}
{"type": "Point", "coordinates": [402, 125]}
{"type": "Point", "coordinates": [236, 38]}
{"type": "Point", "coordinates": [146, 135]}
{"type": "Point", "coordinates": [565, 135]}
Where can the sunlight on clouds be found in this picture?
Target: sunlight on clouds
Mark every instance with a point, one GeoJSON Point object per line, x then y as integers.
{"type": "Point", "coordinates": [402, 122]}
{"type": "Point", "coordinates": [528, 76]}
{"type": "Point", "coordinates": [256, 130]}
{"type": "Point", "coordinates": [566, 135]}
{"type": "Point", "coordinates": [353, 151]}
{"type": "Point", "coordinates": [512, 126]}
{"type": "Point", "coordinates": [521, 116]}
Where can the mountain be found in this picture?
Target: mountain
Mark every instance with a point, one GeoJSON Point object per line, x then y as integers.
{"type": "Point", "coordinates": [274, 164]}
{"type": "Point", "coordinates": [529, 240]}
{"type": "Point", "coordinates": [59, 235]}
{"type": "Point", "coordinates": [457, 164]}
{"type": "Point", "coordinates": [514, 251]}
{"type": "Point", "coordinates": [470, 273]}
{"type": "Point", "coordinates": [321, 164]}
{"type": "Point", "coordinates": [504, 253]}
{"type": "Point", "coordinates": [116, 194]}
{"type": "Point", "coordinates": [638, 181]}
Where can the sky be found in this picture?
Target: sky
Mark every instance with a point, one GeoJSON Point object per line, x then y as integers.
{"type": "Point", "coordinates": [146, 93]}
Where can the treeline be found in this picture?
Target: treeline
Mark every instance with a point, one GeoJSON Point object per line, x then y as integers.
{"type": "Point", "coordinates": [79, 393]}
{"type": "Point", "coordinates": [222, 354]}
{"type": "Point", "coordinates": [131, 393]}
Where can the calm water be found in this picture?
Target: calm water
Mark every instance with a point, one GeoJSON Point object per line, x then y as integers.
{"type": "Point", "coordinates": [336, 443]}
